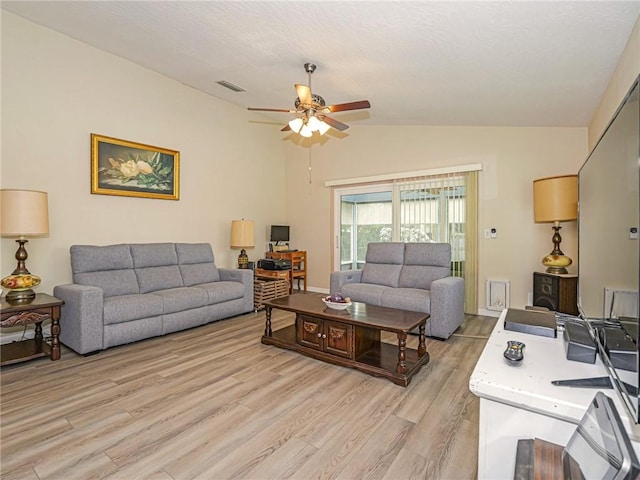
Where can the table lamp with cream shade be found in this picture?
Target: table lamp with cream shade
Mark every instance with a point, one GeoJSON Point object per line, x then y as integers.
{"type": "Point", "coordinates": [555, 200]}
{"type": "Point", "coordinates": [24, 213]}
{"type": "Point", "coordinates": [242, 237]}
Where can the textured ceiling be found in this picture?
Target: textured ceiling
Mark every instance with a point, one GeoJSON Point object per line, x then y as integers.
{"type": "Point", "coordinates": [530, 63]}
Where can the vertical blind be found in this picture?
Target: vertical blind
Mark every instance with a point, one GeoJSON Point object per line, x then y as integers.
{"type": "Point", "coordinates": [442, 208]}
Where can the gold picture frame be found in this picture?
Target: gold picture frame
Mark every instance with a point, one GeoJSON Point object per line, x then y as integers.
{"type": "Point", "coordinates": [124, 168]}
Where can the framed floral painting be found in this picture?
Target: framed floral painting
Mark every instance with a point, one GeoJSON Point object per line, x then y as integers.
{"type": "Point", "coordinates": [120, 167]}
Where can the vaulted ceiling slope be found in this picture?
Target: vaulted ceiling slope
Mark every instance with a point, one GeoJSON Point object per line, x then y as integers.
{"type": "Point", "coordinates": [519, 63]}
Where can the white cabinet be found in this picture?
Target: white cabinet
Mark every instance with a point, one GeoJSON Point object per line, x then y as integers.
{"type": "Point", "coordinates": [520, 402]}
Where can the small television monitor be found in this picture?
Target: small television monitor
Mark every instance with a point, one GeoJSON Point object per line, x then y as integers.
{"type": "Point", "coordinates": [279, 233]}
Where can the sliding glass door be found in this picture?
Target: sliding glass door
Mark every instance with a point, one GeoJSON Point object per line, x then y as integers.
{"type": "Point", "coordinates": [364, 215]}
{"type": "Point", "coordinates": [436, 208]}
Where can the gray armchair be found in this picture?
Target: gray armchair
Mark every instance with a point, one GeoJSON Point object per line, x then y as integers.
{"type": "Point", "coordinates": [410, 276]}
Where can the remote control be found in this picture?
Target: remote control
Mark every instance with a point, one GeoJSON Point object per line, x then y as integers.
{"type": "Point", "coordinates": [514, 353]}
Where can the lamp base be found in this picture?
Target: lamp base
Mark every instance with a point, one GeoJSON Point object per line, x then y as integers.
{"type": "Point", "coordinates": [20, 296]}
{"type": "Point", "coordinates": [243, 259]}
{"type": "Point", "coordinates": [20, 282]}
{"type": "Point", "coordinates": [557, 263]}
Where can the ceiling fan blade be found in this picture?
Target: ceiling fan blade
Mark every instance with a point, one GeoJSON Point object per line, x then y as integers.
{"type": "Point", "coordinates": [304, 94]}
{"type": "Point", "coordinates": [335, 124]}
{"type": "Point", "coordinates": [284, 110]}
{"type": "Point", "coordinates": [341, 107]}
{"type": "Point", "coordinates": [286, 128]}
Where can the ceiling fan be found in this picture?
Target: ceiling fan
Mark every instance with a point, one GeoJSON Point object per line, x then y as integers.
{"type": "Point", "coordinates": [311, 110]}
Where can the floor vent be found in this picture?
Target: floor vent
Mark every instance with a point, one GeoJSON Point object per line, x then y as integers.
{"type": "Point", "coordinates": [620, 303]}
{"type": "Point", "coordinates": [497, 295]}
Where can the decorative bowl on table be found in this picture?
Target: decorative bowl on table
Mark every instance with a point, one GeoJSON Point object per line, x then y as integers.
{"type": "Point", "coordinates": [337, 302]}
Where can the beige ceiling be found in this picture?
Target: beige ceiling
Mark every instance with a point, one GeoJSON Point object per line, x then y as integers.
{"type": "Point", "coordinates": [499, 63]}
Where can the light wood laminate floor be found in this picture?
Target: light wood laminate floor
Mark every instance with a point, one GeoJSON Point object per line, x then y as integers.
{"type": "Point", "coordinates": [214, 403]}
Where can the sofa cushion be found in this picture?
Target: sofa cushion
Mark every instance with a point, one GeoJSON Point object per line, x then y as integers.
{"type": "Point", "coordinates": [380, 274]}
{"type": "Point", "coordinates": [431, 254]}
{"type": "Point", "coordinates": [189, 253]}
{"type": "Point", "coordinates": [222, 291]}
{"type": "Point", "coordinates": [424, 263]}
{"type": "Point", "coordinates": [112, 282]}
{"type": "Point", "coordinates": [196, 263]}
{"type": "Point", "coordinates": [414, 299]}
{"type": "Point", "coordinates": [153, 254]}
{"type": "Point", "coordinates": [182, 298]}
{"type": "Point", "coordinates": [152, 279]}
{"type": "Point", "coordinates": [199, 273]}
{"type": "Point", "coordinates": [124, 308]}
{"type": "Point", "coordinates": [385, 252]}
{"type": "Point", "coordinates": [415, 276]}
{"type": "Point", "coordinates": [90, 258]}
{"type": "Point", "coordinates": [383, 263]}
{"type": "Point", "coordinates": [364, 292]}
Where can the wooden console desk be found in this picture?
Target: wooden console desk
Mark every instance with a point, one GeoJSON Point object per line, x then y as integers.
{"type": "Point", "coordinates": [298, 269]}
{"type": "Point", "coordinates": [520, 402]}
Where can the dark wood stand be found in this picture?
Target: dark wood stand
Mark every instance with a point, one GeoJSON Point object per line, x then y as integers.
{"type": "Point", "coordinates": [43, 307]}
{"type": "Point", "coordinates": [351, 337]}
{"type": "Point", "coordinates": [558, 293]}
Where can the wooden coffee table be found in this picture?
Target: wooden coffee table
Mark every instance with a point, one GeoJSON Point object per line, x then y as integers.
{"type": "Point", "coordinates": [350, 337]}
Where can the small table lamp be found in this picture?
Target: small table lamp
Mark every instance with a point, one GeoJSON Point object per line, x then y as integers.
{"type": "Point", "coordinates": [25, 213]}
{"type": "Point", "coordinates": [242, 237]}
{"type": "Point", "coordinates": [555, 200]}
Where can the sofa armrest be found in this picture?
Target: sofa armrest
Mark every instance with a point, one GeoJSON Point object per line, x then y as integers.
{"type": "Point", "coordinates": [81, 325]}
{"type": "Point", "coordinates": [447, 307]}
{"type": "Point", "coordinates": [340, 278]}
{"type": "Point", "coordinates": [244, 276]}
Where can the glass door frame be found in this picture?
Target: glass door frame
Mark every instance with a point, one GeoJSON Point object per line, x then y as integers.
{"type": "Point", "coordinates": [338, 193]}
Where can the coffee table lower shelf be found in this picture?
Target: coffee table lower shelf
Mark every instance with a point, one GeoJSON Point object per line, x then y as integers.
{"type": "Point", "coordinates": [380, 360]}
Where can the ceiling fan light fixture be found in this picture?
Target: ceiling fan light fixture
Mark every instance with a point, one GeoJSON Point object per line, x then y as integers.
{"type": "Point", "coordinates": [296, 124]}
{"type": "Point", "coordinates": [305, 131]}
{"type": "Point", "coordinates": [311, 110]}
{"type": "Point", "coordinates": [323, 127]}
{"type": "Point", "coordinates": [313, 123]}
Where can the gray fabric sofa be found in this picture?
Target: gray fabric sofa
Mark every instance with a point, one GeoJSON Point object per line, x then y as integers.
{"type": "Point", "coordinates": [128, 292]}
{"type": "Point", "coordinates": [410, 276]}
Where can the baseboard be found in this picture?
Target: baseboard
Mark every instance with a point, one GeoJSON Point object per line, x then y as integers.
{"type": "Point", "coordinates": [316, 290]}
{"type": "Point", "coordinates": [488, 313]}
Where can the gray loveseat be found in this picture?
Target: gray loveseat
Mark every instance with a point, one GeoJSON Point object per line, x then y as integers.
{"type": "Point", "coordinates": [410, 276]}
{"type": "Point", "coordinates": [128, 292]}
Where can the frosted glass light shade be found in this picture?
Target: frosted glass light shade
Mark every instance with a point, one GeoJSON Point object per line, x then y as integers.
{"type": "Point", "coordinates": [323, 128]}
{"type": "Point", "coordinates": [313, 123]}
{"type": "Point", "coordinates": [305, 131]}
{"type": "Point", "coordinates": [296, 124]}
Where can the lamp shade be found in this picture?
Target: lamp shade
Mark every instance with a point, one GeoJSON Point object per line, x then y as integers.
{"type": "Point", "coordinates": [242, 234]}
{"type": "Point", "coordinates": [555, 199]}
{"type": "Point", "coordinates": [24, 213]}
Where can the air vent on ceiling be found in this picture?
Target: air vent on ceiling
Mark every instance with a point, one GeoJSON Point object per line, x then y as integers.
{"type": "Point", "coordinates": [230, 86]}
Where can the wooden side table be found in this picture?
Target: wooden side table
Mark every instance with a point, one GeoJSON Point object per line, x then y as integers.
{"type": "Point", "coordinates": [43, 307]}
{"type": "Point", "coordinates": [298, 260]}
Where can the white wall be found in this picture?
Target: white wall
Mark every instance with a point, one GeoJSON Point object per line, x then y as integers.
{"type": "Point", "coordinates": [511, 157]}
{"type": "Point", "coordinates": [57, 91]}
{"type": "Point", "coordinates": [626, 72]}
